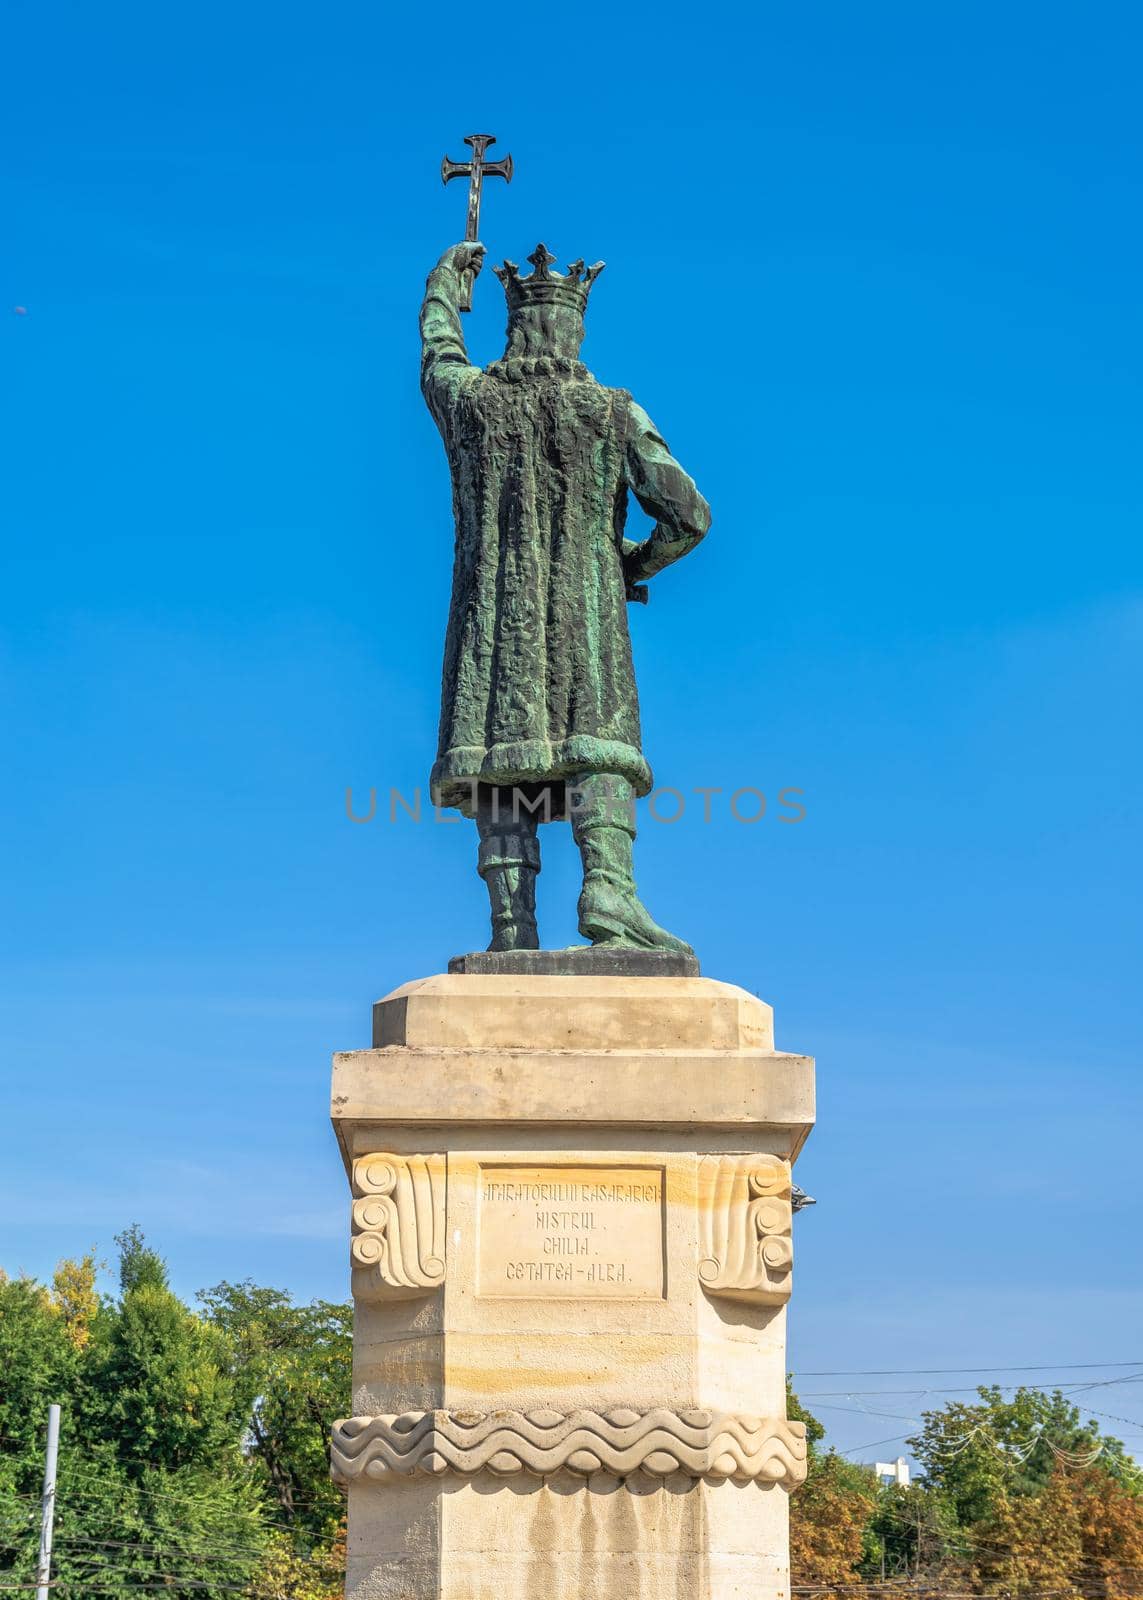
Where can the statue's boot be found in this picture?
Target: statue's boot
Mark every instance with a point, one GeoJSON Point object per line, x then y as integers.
{"type": "Point", "coordinates": [601, 809]}
{"type": "Point", "coordinates": [508, 862]}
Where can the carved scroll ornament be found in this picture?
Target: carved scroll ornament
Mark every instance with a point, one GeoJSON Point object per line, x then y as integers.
{"type": "Point", "coordinates": [398, 1246]}
{"type": "Point", "coordinates": [701, 1444]}
{"type": "Point", "coordinates": [746, 1228]}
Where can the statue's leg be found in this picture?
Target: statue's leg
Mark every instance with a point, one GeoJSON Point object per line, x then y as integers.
{"type": "Point", "coordinates": [508, 862]}
{"type": "Point", "coordinates": [601, 809]}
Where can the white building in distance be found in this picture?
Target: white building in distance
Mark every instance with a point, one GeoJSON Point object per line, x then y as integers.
{"type": "Point", "coordinates": [888, 1472]}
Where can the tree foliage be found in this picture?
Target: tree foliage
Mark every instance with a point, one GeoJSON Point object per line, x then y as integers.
{"type": "Point", "coordinates": [829, 1515]}
{"type": "Point", "coordinates": [290, 1367]}
{"type": "Point", "coordinates": [995, 1446]}
{"type": "Point", "coordinates": [1029, 1543]}
{"type": "Point", "coordinates": [1021, 1497]}
{"type": "Point", "coordinates": [829, 1519]}
{"type": "Point", "coordinates": [75, 1299]}
{"type": "Point", "coordinates": [285, 1574]}
{"type": "Point", "coordinates": [163, 1474]}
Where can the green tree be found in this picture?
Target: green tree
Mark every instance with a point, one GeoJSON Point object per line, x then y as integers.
{"type": "Point", "coordinates": [287, 1574]}
{"type": "Point", "coordinates": [38, 1365]}
{"type": "Point", "coordinates": [974, 1453]}
{"type": "Point", "coordinates": [153, 1486]}
{"type": "Point", "coordinates": [913, 1532]}
{"type": "Point", "coordinates": [796, 1412]}
{"type": "Point", "coordinates": [159, 1382]}
{"type": "Point", "coordinates": [291, 1366]}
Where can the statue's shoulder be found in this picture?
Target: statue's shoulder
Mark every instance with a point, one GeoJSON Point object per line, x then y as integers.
{"type": "Point", "coordinates": [522, 369]}
{"type": "Point", "coordinates": [526, 383]}
{"type": "Point", "coordinates": [621, 402]}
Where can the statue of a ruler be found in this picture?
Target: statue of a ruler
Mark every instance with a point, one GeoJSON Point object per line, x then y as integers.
{"type": "Point", "coordinates": [539, 711]}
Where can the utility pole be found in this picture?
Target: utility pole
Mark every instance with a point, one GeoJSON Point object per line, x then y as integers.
{"type": "Point", "coordinates": [48, 1509]}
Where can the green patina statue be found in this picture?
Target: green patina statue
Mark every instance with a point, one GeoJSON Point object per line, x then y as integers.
{"type": "Point", "coordinates": [539, 711]}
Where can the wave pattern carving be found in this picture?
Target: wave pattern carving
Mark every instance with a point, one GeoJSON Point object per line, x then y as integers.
{"type": "Point", "coordinates": [746, 1228]}
{"type": "Point", "coordinates": [398, 1245]}
{"type": "Point", "coordinates": [702, 1444]}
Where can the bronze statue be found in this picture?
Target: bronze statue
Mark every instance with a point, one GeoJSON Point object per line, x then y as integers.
{"type": "Point", "coordinates": [539, 711]}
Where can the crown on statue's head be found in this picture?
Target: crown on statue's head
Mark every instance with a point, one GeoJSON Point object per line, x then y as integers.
{"type": "Point", "coordinates": [544, 287]}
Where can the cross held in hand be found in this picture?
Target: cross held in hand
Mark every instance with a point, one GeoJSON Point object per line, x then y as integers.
{"type": "Point", "coordinates": [476, 171]}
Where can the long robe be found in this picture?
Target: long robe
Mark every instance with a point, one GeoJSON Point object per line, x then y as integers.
{"type": "Point", "coordinates": [538, 682]}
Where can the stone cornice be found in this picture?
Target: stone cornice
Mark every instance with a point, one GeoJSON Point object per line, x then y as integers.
{"type": "Point", "coordinates": [697, 1443]}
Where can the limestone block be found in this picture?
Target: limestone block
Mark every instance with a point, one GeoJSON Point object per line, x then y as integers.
{"type": "Point", "coordinates": [462, 1050]}
{"type": "Point", "coordinates": [567, 1538]}
{"type": "Point", "coordinates": [464, 1011]}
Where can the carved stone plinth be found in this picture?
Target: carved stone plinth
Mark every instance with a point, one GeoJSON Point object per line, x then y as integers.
{"type": "Point", "coordinates": [571, 1254]}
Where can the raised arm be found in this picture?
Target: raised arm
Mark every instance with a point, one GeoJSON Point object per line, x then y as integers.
{"type": "Point", "coordinates": [444, 359]}
{"type": "Point", "coordinates": [666, 493]}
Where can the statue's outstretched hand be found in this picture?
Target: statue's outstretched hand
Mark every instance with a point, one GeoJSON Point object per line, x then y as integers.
{"type": "Point", "coordinates": [464, 259]}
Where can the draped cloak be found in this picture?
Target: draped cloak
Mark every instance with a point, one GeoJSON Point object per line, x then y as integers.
{"type": "Point", "coordinates": [538, 682]}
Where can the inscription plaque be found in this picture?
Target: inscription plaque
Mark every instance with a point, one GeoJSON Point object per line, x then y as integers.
{"type": "Point", "coordinates": [574, 1232]}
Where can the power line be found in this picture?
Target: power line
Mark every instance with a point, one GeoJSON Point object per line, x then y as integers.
{"type": "Point", "coordinates": [1079, 1583]}
{"type": "Point", "coordinates": [166, 1580]}
{"type": "Point", "coordinates": [970, 1388]}
{"type": "Point", "coordinates": [73, 1471]}
{"type": "Point", "coordinates": [893, 1439]}
{"type": "Point", "coordinates": [73, 1505]}
{"type": "Point", "coordinates": [214, 1552]}
{"type": "Point", "coordinates": [938, 1372]}
{"type": "Point", "coordinates": [954, 1539]}
{"type": "Point", "coordinates": [73, 1480]}
{"type": "Point", "coordinates": [217, 1552]}
{"type": "Point", "coordinates": [918, 1422]}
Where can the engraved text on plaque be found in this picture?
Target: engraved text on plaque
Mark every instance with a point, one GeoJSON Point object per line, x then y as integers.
{"type": "Point", "coordinates": [571, 1232]}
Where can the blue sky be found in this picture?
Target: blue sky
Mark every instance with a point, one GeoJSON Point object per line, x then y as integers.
{"type": "Point", "coordinates": [875, 272]}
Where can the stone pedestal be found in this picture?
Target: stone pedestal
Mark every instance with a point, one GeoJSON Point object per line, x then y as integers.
{"type": "Point", "coordinates": [571, 1258]}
